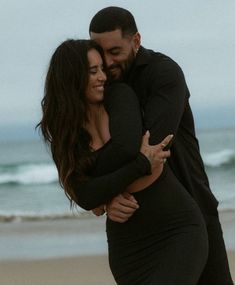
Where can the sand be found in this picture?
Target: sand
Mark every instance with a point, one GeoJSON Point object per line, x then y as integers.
{"type": "Point", "coordinates": [74, 270]}
{"type": "Point", "coordinates": [92, 270]}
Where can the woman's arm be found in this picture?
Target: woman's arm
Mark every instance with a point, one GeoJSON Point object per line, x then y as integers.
{"type": "Point", "coordinates": [100, 190]}
{"type": "Point", "coordinates": [111, 177]}
{"type": "Point", "coordinates": [120, 162]}
{"type": "Point", "coordinates": [125, 126]}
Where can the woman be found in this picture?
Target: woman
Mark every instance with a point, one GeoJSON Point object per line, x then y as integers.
{"type": "Point", "coordinates": [98, 135]}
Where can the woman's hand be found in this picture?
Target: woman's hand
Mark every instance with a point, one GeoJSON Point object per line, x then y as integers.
{"type": "Point", "coordinates": [155, 153]}
{"type": "Point", "coordinates": [99, 211]}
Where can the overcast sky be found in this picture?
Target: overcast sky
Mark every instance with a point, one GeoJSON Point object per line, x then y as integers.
{"type": "Point", "coordinates": [199, 35]}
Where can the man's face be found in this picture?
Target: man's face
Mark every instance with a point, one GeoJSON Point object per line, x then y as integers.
{"type": "Point", "coordinates": [119, 51]}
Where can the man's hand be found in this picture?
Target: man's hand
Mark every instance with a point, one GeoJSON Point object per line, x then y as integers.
{"type": "Point", "coordinates": [156, 154]}
{"type": "Point", "coordinates": [122, 207]}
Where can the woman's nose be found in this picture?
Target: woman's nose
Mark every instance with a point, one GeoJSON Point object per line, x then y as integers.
{"type": "Point", "coordinates": [102, 76]}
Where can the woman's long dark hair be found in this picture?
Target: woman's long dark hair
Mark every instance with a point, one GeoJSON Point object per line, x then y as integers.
{"type": "Point", "coordinates": [64, 112]}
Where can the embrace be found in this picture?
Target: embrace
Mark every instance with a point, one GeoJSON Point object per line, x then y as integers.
{"type": "Point", "coordinates": [117, 118]}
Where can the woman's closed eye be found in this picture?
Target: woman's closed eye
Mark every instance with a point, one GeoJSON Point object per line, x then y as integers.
{"type": "Point", "coordinates": [95, 69]}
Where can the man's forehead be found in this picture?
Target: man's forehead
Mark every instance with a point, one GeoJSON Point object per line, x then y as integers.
{"type": "Point", "coordinates": [108, 39]}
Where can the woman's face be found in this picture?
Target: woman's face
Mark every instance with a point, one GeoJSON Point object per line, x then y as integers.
{"type": "Point", "coordinates": [97, 78]}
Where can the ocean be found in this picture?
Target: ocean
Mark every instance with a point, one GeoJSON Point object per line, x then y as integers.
{"type": "Point", "coordinates": [29, 188]}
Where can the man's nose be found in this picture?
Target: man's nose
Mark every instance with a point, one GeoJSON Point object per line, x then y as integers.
{"type": "Point", "coordinates": [109, 61]}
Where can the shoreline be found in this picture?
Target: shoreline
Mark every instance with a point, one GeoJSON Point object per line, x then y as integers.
{"type": "Point", "coordinates": [84, 270]}
{"type": "Point", "coordinates": [58, 252]}
{"type": "Point", "coordinates": [35, 240]}
{"type": "Point", "coordinates": [82, 236]}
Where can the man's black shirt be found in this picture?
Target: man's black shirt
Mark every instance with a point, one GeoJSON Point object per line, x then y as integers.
{"type": "Point", "coordinates": [164, 96]}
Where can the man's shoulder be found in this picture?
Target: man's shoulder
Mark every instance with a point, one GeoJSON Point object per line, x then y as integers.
{"type": "Point", "coordinates": [148, 55]}
{"type": "Point", "coordinates": [159, 63]}
{"type": "Point", "coordinates": [162, 60]}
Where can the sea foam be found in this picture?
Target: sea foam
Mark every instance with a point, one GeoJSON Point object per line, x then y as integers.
{"type": "Point", "coordinates": [219, 158]}
{"type": "Point", "coordinates": [29, 174]}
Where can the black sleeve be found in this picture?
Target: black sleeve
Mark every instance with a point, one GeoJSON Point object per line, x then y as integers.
{"type": "Point", "coordinates": [166, 100]}
{"type": "Point", "coordinates": [125, 126]}
{"type": "Point", "coordinates": [120, 162]}
{"type": "Point", "coordinates": [99, 190]}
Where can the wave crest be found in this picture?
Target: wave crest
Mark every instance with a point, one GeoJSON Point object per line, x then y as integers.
{"type": "Point", "coordinates": [220, 158]}
{"type": "Point", "coordinates": [46, 173]}
{"type": "Point", "coordinates": [21, 217]}
{"type": "Point", "coordinates": [26, 174]}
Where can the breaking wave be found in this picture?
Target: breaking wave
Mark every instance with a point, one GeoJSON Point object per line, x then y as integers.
{"type": "Point", "coordinates": [27, 174]}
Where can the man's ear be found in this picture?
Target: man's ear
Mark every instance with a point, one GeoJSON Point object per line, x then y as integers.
{"type": "Point", "coordinates": [137, 40]}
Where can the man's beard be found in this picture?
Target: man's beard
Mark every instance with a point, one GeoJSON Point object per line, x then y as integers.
{"type": "Point", "coordinates": [123, 68]}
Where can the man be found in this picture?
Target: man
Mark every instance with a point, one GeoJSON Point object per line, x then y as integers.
{"type": "Point", "coordinates": [163, 94]}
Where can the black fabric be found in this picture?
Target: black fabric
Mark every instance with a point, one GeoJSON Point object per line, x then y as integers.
{"type": "Point", "coordinates": [161, 88]}
{"type": "Point", "coordinates": [168, 222]}
{"type": "Point", "coordinates": [166, 236]}
{"type": "Point", "coordinates": [121, 163]}
{"type": "Point", "coordinates": [95, 192]}
{"type": "Point", "coordinates": [164, 242]}
{"type": "Point", "coordinates": [216, 271]}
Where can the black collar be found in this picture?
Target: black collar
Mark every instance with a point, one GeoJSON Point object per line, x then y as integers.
{"type": "Point", "coordinates": [143, 56]}
{"type": "Point", "coordinates": [142, 59]}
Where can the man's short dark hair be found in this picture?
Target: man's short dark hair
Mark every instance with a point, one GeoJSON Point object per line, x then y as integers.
{"type": "Point", "coordinates": [113, 18]}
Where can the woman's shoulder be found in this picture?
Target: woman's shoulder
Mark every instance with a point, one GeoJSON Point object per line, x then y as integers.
{"type": "Point", "coordinates": [119, 96]}
{"type": "Point", "coordinates": [118, 86]}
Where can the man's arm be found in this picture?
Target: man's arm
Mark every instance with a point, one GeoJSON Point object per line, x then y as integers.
{"type": "Point", "coordinates": [163, 110]}
{"type": "Point", "coordinates": [122, 207]}
{"type": "Point", "coordinates": [126, 205]}
{"type": "Point", "coordinates": [167, 95]}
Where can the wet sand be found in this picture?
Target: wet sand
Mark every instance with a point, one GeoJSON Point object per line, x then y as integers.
{"type": "Point", "coordinates": [86, 266]}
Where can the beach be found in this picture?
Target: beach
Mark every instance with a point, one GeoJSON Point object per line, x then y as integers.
{"type": "Point", "coordinates": [84, 270]}
{"type": "Point", "coordinates": [54, 258]}
{"type": "Point", "coordinates": [43, 242]}
{"type": "Point", "coordinates": [81, 271]}
{"type": "Point", "coordinates": [92, 270]}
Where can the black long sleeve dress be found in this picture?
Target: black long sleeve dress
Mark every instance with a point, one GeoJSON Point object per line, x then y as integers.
{"type": "Point", "coordinates": [165, 241]}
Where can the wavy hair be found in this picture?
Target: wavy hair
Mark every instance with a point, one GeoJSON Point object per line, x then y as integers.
{"type": "Point", "coordinates": [64, 112]}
